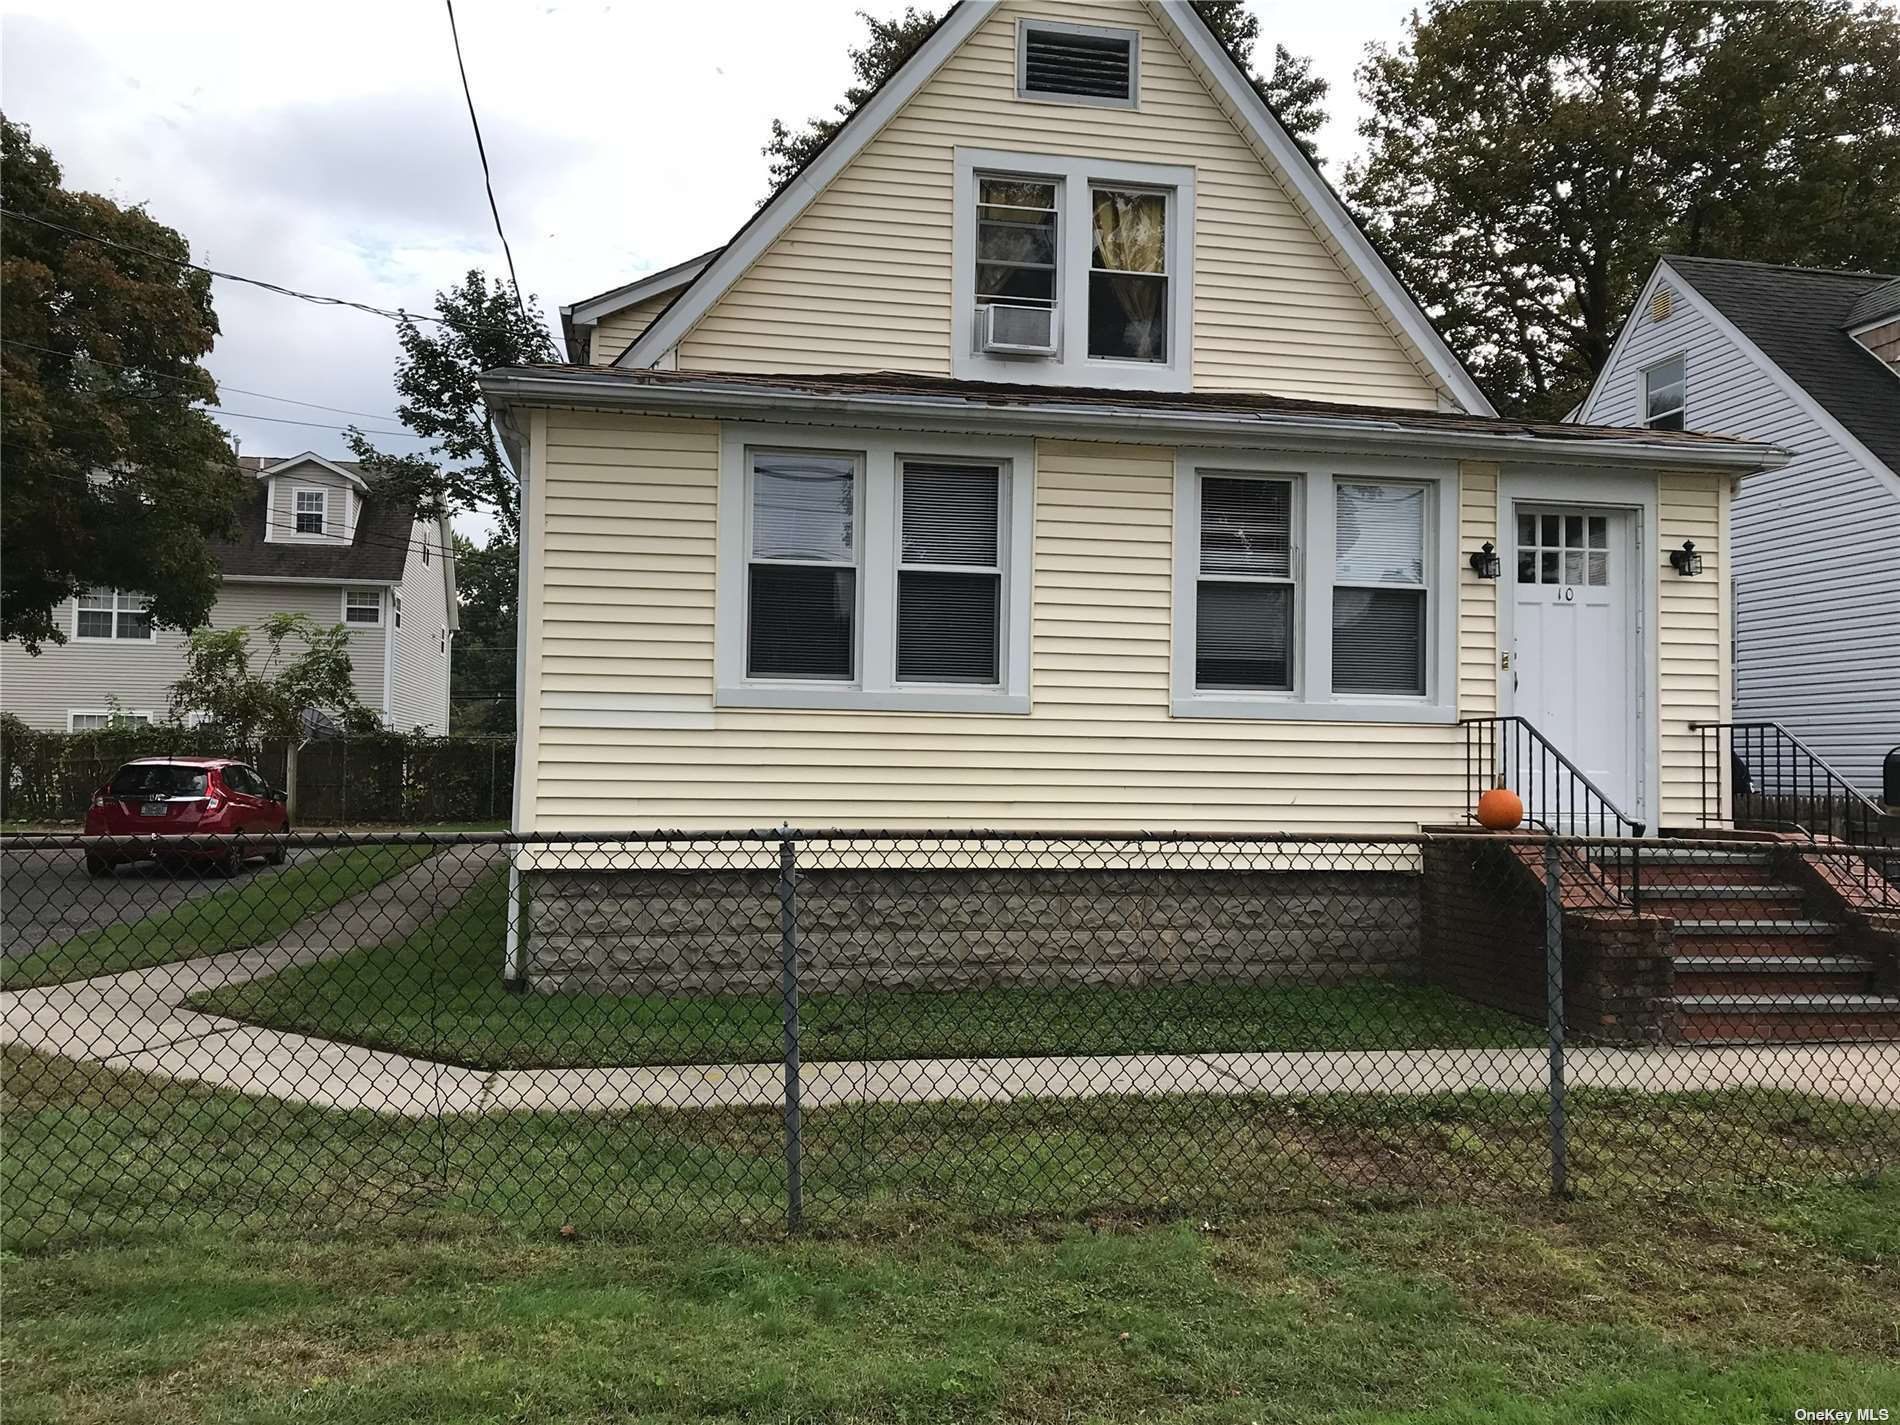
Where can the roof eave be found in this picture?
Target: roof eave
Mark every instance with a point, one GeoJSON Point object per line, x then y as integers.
{"type": "Point", "coordinates": [1056, 417]}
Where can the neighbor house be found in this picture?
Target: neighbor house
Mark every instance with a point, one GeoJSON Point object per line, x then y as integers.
{"type": "Point", "coordinates": [312, 538]}
{"type": "Point", "coordinates": [1054, 451]}
{"type": "Point", "coordinates": [1809, 361]}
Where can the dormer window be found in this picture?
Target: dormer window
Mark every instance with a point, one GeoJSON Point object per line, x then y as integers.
{"type": "Point", "coordinates": [1077, 64]}
{"type": "Point", "coordinates": [312, 511]}
{"type": "Point", "coordinates": [1072, 271]}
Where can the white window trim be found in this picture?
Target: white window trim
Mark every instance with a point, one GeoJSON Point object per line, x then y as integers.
{"type": "Point", "coordinates": [1113, 32]}
{"type": "Point", "coordinates": [323, 493]}
{"type": "Point", "coordinates": [73, 714]}
{"type": "Point", "coordinates": [875, 686]}
{"type": "Point", "coordinates": [1681, 408]}
{"type": "Point", "coordinates": [348, 622]}
{"type": "Point", "coordinates": [1072, 365]}
{"type": "Point", "coordinates": [119, 596]}
{"type": "Point", "coordinates": [1312, 698]}
{"type": "Point", "coordinates": [395, 611]}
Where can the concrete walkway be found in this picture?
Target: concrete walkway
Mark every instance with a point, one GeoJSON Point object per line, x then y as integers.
{"type": "Point", "coordinates": [135, 1021]}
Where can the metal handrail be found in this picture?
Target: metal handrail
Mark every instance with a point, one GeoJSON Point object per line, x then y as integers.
{"type": "Point", "coordinates": [1486, 764]}
{"type": "Point", "coordinates": [1792, 786]}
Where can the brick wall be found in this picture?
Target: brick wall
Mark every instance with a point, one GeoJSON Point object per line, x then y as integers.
{"type": "Point", "coordinates": [718, 932]}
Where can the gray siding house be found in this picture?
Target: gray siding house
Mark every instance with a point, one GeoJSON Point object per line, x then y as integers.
{"type": "Point", "coordinates": [1809, 361]}
{"type": "Point", "coordinates": [312, 539]}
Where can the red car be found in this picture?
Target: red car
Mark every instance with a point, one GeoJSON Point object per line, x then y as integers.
{"type": "Point", "coordinates": [185, 796]}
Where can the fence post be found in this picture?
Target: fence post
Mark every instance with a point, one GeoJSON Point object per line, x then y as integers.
{"type": "Point", "coordinates": [788, 971]}
{"type": "Point", "coordinates": [1554, 1018]}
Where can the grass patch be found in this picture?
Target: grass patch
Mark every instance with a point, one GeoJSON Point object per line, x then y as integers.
{"type": "Point", "coordinates": [1425, 1312]}
{"type": "Point", "coordinates": [439, 994]}
{"type": "Point", "coordinates": [244, 913]}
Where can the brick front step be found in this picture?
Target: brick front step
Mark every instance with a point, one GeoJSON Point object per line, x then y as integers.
{"type": "Point", "coordinates": [1769, 1019]}
{"type": "Point", "coordinates": [1682, 903]}
{"type": "Point", "coordinates": [1755, 977]}
{"type": "Point", "coordinates": [1657, 876]}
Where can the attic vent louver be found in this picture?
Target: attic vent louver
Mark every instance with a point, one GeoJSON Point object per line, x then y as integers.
{"type": "Point", "coordinates": [1662, 304]}
{"type": "Point", "coordinates": [1088, 66]}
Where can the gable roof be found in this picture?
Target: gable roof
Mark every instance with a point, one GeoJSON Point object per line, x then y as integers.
{"type": "Point", "coordinates": [1242, 103]}
{"type": "Point", "coordinates": [1799, 319]}
{"type": "Point", "coordinates": [377, 554]}
{"type": "Point", "coordinates": [273, 465]}
{"type": "Point", "coordinates": [1878, 304]}
{"type": "Point", "coordinates": [587, 312]}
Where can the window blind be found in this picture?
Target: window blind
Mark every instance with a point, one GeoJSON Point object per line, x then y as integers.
{"type": "Point", "coordinates": [1379, 631]}
{"type": "Point", "coordinates": [801, 602]}
{"type": "Point", "coordinates": [949, 577]}
{"type": "Point", "coordinates": [1247, 527]}
{"type": "Point", "coordinates": [1243, 623]}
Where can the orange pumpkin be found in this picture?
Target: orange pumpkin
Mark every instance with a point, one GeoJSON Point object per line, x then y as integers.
{"type": "Point", "coordinates": [1500, 809]}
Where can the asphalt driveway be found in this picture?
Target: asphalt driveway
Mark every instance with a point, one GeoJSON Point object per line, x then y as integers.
{"type": "Point", "coordinates": [46, 896]}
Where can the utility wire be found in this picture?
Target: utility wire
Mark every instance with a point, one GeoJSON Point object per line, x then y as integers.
{"type": "Point", "coordinates": [390, 314]}
{"type": "Point", "coordinates": [488, 181]}
{"type": "Point", "coordinates": [186, 381]}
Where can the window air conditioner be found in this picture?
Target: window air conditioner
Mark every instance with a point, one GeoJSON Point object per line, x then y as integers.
{"type": "Point", "coordinates": [1017, 331]}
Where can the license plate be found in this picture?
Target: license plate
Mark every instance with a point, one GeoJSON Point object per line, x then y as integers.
{"type": "Point", "coordinates": [152, 809]}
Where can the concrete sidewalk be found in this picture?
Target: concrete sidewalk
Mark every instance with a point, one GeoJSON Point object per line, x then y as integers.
{"type": "Point", "coordinates": [135, 1021]}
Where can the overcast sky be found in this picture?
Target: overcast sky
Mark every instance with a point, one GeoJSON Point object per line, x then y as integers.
{"type": "Point", "coordinates": [327, 148]}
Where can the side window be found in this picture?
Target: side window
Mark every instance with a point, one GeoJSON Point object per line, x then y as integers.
{"type": "Point", "coordinates": [1665, 395]}
{"type": "Point", "coordinates": [1128, 275]}
{"type": "Point", "coordinates": [1244, 593]}
{"type": "Point", "coordinates": [1379, 620]}
{"type": "Point", "coordinates": [802, 569]}
{"type": "Point", "coordinates": [949, 573]}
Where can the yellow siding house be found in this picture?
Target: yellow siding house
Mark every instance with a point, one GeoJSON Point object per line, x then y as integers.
{"type": "Point", "coordinates": [1055, 452]}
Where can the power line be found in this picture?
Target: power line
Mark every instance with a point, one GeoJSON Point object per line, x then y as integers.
{"type": "Point", "coordinates": [288, 421]}
{"type": "Point", "coordinates": [319, 299]}
{"type": "Point", "coordinates": [488, 181]}
{"type": "Point", "coordinates": [183, 381]}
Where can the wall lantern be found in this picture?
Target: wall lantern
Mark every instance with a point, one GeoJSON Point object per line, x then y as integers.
{"type": "Point", "coordinates": [1486, 564]}
{"type": "Point", "coordinates": [1685, 560]}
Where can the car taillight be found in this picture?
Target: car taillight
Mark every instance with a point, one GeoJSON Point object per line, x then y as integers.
{"type": "Point", "coordinates": [99, 798]}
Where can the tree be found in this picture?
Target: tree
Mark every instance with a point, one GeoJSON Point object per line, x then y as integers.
{"type": "Point", "coordinates": [482, 675]}
{"type": "Point", "coordinates": [1293, 91]}
{"type": "Point", "coordinates": [1529, 163]}
{"type": "Point", "coordinates": [302, 684]}
{"type": "Point", "coordinates": [480, 325]}
{"type": "Point", "coordinates": [114, 477]}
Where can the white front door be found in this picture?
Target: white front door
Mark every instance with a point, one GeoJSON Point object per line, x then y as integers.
{"type": "Point", "coordinates": [1573, 666]}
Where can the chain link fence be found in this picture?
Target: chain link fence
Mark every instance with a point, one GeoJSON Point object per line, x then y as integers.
{"type": "Point", "coordinates": [860, 1027]}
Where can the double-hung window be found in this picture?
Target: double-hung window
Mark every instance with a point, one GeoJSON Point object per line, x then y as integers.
{"type": "Point", "coordinates": [949, 573]}
{"type": "Point", "coordinates": [1321, 591]}
{"type": "Point", "coordinates": [1244, 593]}
{"type": "Point", "coordinates": [1072, 271]}
{"type": "Point", "coordinates": [802, 579]}
{"type": "Point", "coordinates": [112, 614]}
{"type": "Point", "coordinates": [311, 510]}
{"type": "Point", "coordinates": [1128, 275]}
{"type": "Point", "coordinates": [873, 570]}
{"type": "Point", "coordinates": [1665, 395]}
{"type": "Point", "coordinates": [363, 606]}
{"type": "Point", "coordinates": [1379, 593]}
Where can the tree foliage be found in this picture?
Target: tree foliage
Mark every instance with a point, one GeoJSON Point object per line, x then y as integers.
{"type": "Point", "coordinates": [1528, 163]}
{"type": "Point", "coordinates": [481, 326]}
{"type": "Point", "coordinates": [1293, 91]}
{"type": "Point", "coordinates": [298, 681]}
{"type": "Point", "coordinates": [114, 477]}
{"type": "Point", "coordinates": [482, 670]}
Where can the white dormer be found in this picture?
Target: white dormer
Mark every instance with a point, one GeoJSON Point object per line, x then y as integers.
{"type": "Point", "coordinates": [311, 500]}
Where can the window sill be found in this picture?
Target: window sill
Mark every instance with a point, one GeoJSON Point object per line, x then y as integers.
{"type": "Point", "coordinates": [1291, 709]}
{"type": "Point", "coordinates": [849, 699]}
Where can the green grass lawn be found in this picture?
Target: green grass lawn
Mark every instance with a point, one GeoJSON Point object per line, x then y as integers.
{"type": "Point", "coordinates": [243, 913]}
{"type": "Point", "coordinates": [278, 1264]}
{"type": "Point", "coordinates": [439, 994]}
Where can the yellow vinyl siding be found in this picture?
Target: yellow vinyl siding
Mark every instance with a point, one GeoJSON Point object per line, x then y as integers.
{"type": "Point", "coordinates": [614, 334]}
{"type": "Point", "coordinates": [862, 279]}
{"type": "Point", "coordinates": [1477, 598]}
{"type": "Point", "coordinates": [1693, 634]}
{"type": "Point", "coordinates": [621, 691]}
